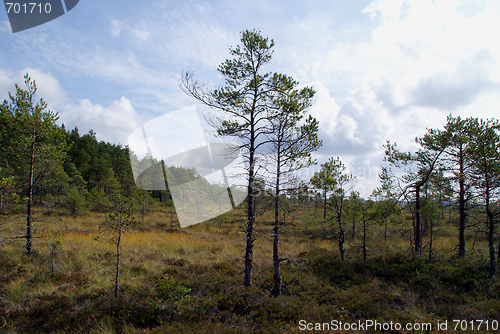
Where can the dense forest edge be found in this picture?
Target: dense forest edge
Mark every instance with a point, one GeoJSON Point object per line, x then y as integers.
{"type": "Point", "coordinates": [83, 249]}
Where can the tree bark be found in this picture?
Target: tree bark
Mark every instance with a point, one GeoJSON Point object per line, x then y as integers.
{"type": "Point", "coordinates": [430, 240]}
{"type": "Point", "coordinates": [247, 281]}
{"type": "Point", "coordinates": [461, 223]}
{"type": "Point", "coordinates": [417, 236]}
{"type": "Point", "coordinates": [364, 238]}
{"type": "Point", "coordinates": [29, 232]}
{"type": "Point", "coordinates": [117, 261]}
{"type": "Point", "coordinates": [276, 291]}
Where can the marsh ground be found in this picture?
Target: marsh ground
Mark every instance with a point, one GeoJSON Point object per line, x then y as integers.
{"type": "Point", "coordinates": [189, 280]}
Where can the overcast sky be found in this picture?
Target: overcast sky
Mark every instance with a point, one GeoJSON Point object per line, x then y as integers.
{"type": "Point", "coordinates": [382, 69]}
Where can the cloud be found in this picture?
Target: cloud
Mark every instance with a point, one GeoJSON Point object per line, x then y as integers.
{"type": "Point", "coordinates": [48, 87]}
{"type": "Point", "coordinates": [7, 83]}
{"type": "Point", "coordinates": [111, 124]}
{"type": "Point", "coordinates": [118, 26]}
{"type": "Point", "coordinates": [355, 128]}
{"type": "Point", "coordinates": [5, 27]}
{"type": "Point", "coordinates": [324, 108]}
{"type": "Point", "coordinates": [423, 60]}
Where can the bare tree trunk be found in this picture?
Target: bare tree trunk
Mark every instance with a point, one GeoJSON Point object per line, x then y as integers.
{"type": "Point", "coordinates": [491, 232]}
{"type": "Point", "coordinates": [276, 291]}
{"type": "Point", "coordinates": [341, 237]}
{"type": "Point", "coordinates": [29, 236]}
{"type": "Point", "coordinates": [341, 227]}
{"type": "Point", "coordinates": [324, 205]}
{"type": "Point", "coordinates": [52, 262]}
{"type": "Point", "coordinates": [418, 241]}
{"type": "Point", "coordinates": [430, 239]}
{"type": "Point", "coordinates": [461, 224]}
{"type": "Point", "coordinates": [364, 237]}
{"type": "Point", "coordinates": [247, 281]}
{"type": "Point", "coordinates": [143, 204]}
{"type": "Point", "coordinates": [498, 254]}
{"type": "Point", "coordinates": [385, 230]}
{"type": "Point", "coordinates": [341, 243]}
{"type": "Point", "coordinates": [117, 261]}
{"type": "Point", "coordinates": [353, 235]}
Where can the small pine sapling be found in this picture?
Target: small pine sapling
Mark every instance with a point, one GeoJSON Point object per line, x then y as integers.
{"type": "Point", "coordinates": [117, 222]}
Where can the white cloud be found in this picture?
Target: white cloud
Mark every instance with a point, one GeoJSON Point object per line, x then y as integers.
{"type": "Point", "coordinates": [6, 84]}
{"type": "Point", "coordinates": [111, 124]}
{"type": "Point", "coordinates": [138, 30]}
{"type": "Point", "coordinates": [48, 87]}
{"type": "Point", "coordinates": [5, 27]}
{"type": "Point", "coordinates": [385, 72]}
{"type": "Point", "coordinates": [324, 108]}
{"type": "Point", "coordinates": [424, 60]}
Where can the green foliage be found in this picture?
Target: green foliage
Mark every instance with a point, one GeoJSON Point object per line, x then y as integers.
{"type": "Point", "coordinates": [331, 268]}
{"type": "Point", "coordinates": [75, 202]}
{"type": "Point", "coordinates": [8, 196]}
{"type": "Point", "coordinates": [98, 200]}
{"type": "Point", "coordinates": [332, 180]}
{"type": "Point", "coordinates": [168, 288]}
{"type": "Point", "coordinates": [32, 133]}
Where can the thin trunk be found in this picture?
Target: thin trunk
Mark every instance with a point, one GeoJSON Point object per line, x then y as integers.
{"type": "Point", "coordinates": [449, 207]}
{"type": "Point", "coordinates": [324, 205]}
{"type": "Point", "coordinates": [353, 225]}
{"type": "Point", "coordinates": [341, 230]}
{"type": "Point", "coordinates": [385, 230]}
{"type": "Point", "coordinates": [364, 237]}
{"type": "Point", "coordinates": [29, 244]}
{"type": "Point", "coordinates": [117, 261]}
{"type": "Point", "coordinates": [491, 223]}
{"type": "Point", "coordinates": [461, 224]}
{"type": "Point", "coordinates": [418, 241]}
{"type": "Point", "coordinates": [424, 218]}
{"type": "Point", "coordinates": [247, 281]}
{"type": "Point", "coordinates": [143, 203]}
{"type": "Point", "coordinates": [341, 243]}
{"type": "Point", "coordinates": [491, 231]}
{"type": "Point", "coordinates": [52, 262]}
{"type": "Point", "coordinates": [430, 240]}
{"type": "Point", "coordinates": [441, 203]}
{"type": "Point", "coordinates": [498, 254]}
{"type": "Point", "coordinates": [276, 291]}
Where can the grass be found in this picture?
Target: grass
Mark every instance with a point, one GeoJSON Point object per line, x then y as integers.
{"type": "Point", "coordinates": [189, 280]}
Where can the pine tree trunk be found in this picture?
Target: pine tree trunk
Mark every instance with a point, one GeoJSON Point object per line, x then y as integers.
{"type": "Point", "coordinates": [364, 238]}
{"type": "Point", "coordinates": [29, 236]}
{"type": "Point", "coordinates": [385, 230]}
{"type": "Point", "coordinates": [52, 262]}
{"type": "Point", "coordinates": [143, 204]}
{"type": "Point", "coordinates": [491, 233]}
{"type": "Point", "coordinates": [247, 281]}
{"type": "Point", "coordinates": [353, 226]}
{"type": "Point", "coordinates": [117, 261]}
{"type": "Point", "coordinates": [461, 226]}
{"type": "Point", "coordinates": [430, 240]}
{"type": "Point", "coordinates": [418, 241]}
{"type": "Point", "coordinates": [276, 291]}
{"type": "Point", "coordinates": [341, 237]}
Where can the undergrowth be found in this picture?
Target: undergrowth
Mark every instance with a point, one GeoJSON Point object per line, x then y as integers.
{"type": "Point", "coordinates": [189, 281]}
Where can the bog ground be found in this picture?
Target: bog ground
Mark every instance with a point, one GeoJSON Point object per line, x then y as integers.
{"type": "Point", "coordinates": [189, 280]}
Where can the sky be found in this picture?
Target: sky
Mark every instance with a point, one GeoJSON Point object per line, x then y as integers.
{"type": "Point", "coordinates": [382, 69]}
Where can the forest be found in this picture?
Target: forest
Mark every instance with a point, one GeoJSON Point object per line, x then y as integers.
{"type": "Point", "coordinates": [85, 249]}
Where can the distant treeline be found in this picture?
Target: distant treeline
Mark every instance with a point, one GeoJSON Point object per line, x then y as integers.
{"type": "Point", "coordinates": [66, 169]}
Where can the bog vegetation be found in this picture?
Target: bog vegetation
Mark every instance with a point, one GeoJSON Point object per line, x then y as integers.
{"type": "Point", "coordinates": [84, 250]}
